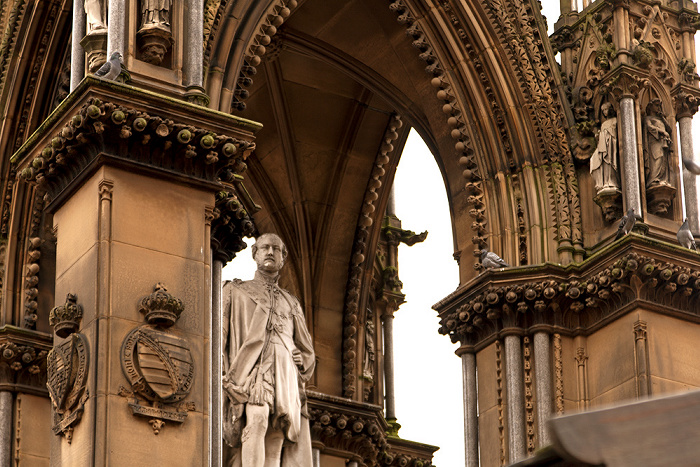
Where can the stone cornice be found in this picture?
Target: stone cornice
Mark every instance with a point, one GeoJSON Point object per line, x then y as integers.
{"type": "Point", "coordinates": [109, 119]}
{"type": "Point", "coordinates": [578, 298]}
{"type": "Point", "coordinates": [23, 360]}
{"type": "Point", "coordinates": [358, 431]}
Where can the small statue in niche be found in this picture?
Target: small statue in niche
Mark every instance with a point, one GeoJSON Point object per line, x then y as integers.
{"type": "Point", "coordinates": [155, 13]}
{"type": "Point", "coordinates": [96, 12]}
{"type": "Point", "coordinates": [657, 145]}
{"type": "Point", "coordinates": [604, 166]}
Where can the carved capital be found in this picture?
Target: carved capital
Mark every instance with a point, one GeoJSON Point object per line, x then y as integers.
{"type": "Point", "coordinates": [624, 81]}
{"type": "Point", "coordinates": [686, 100]}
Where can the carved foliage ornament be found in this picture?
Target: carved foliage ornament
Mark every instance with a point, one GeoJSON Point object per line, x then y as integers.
{"type": "Point", "coordinates": [158, 363]}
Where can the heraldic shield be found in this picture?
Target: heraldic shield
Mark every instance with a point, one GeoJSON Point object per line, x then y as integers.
{"type": "Point", "coordinates": [67, 367]}
{"type": "Point", "coordinates": [160, 368]}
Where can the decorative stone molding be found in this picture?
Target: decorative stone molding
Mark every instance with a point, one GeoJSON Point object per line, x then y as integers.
{"type": "Point", "coordinates": [358, 262]}
{"type": "Point", "coordinates": [23, 360]}
{"type": "Point", "coordinates": [231, 223]}
{"type": "Point", "coordinates": [65, 319]}
{"type": "Point", "coordinates": [278, 12]}
{"type": "Point", "coordinates": [558, 375]}
{"type": "Point", "coordinates": [358, 431]}
{"type": "Point", "coordinates": [168, 357]}
{"type": "Point", "coordinates": [580, 297]}
{"type": "Point", "coordinates": [95, 128]}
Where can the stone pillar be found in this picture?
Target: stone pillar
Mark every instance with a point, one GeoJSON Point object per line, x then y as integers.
{"type": "Point", "coordinates": [641, 357]}
{"type": "Point", "coordinates": [6, 409]}
{"type": "Point", "coordinates": [353, 464]}
{"type": "Point", "coordinates": [543, 385]}
{"type": "Point", "coordinates": [388, 320]}
{"type": "Point", "coordinates": [316, 457]}
{"type": "Point", "coordinates": [471, 418]}
{"type": "Point", "coordinates": [690, 188]}
{"type": "Point", "coordinates": [629, 158]}
{"type": "Point", "coordinates": [515, 401]}
{"type": "Point", "coordinates": [215, 351]}
{"type": "Point", "coordinates": [194, 37]}
{"type": "Point", "coordinates": [134, 246]}
{"type": "Point", "coordinates": [116, 27]}
{"type": "Point", "coordinates": [77, 55]}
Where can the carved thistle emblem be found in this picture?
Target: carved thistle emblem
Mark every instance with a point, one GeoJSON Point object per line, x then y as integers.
{"type": "Point", "coordinates": [158, 364]}
{"type": "Point", "coordinates": [67, 368]}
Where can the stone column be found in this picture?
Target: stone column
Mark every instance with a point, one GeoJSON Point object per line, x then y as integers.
{"type": "Point", "coordinates": [352, 464]}
{"type": "Point", "coordinates": [316, 457]}
{"type": "Point", "coordinates": [515, 401]}
{"type": "Point", "coordinates": [543, 385]}
{"type": "Point", "coordinates": [388, 327]}
{"type": "Point", "coordinates": [471, 418]}
{"type": "Point", "coordinates": [194, 37]}
{"type": "Point", "coordinates": [629, 158]}
{"type": "Point", "coordinates": [116, 27]}
{"type": "Point", "coordinates": [690, 188]}
{"type": "Point", "coordinates": [77, 54]}
{"type": "Point", "coordinates": [216, 400]}
{"type": "Point", "coordinates": [6, 409]}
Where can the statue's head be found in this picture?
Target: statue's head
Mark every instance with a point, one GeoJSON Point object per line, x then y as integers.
{"type": "Point", "coordinates": [269, 252]}
{"type": "Point", "coordinates": [607, 110]}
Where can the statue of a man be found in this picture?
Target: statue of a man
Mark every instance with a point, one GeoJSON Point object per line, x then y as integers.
{"type": "Point", "coordinates": [604, 159]}
{"type": "Point", "coordinates": [96, 12]}
{"type": "Point", "coordinates": [268, 358]}
{"type": "Point", "coordinates": [657, 145]}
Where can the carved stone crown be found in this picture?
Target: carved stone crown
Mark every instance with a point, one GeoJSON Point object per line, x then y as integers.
{"type": "Point", "coordinates": [65, 318]}
{"type": "Point", "coordinates": [161, 308]}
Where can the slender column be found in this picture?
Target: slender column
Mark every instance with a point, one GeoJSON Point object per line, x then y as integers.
{"type": "Point", "coordinates": [389, 401]}
{"type": "Point", "coordinates": [515, 398]}
{"type": "Point", "coordinates": [77, 54]}
{"type": "Point", "coordinates": [642, 361]}
{"type": "Point", "coordinates": [316, 457]}
{"type": "Point", "coordinates": [471, 418]}
{"type": "Point", "coordinates": [216, 401]}
{"type": "Point", "coordinates": [6, 400]}
{"type": "Point", "coordinates": [543, 385]}
{"type": "Point", "coordinates": [116, 27]}
{"type": "Point", "coordinates": [690, 189]}
{"type": "Point", "coordinates": [353, 464]}
{"type": "Point", "coordinates": [194, 36]}
{"type": "Point", "coordinates": [629, 158]}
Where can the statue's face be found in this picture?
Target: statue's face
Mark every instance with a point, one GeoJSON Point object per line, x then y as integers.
{"type": "Point", "coordinates": [269, 253]}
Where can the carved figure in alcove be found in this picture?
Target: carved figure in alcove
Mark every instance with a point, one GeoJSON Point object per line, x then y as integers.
{"type": "Point", "coordinates": [155, 13]}
{"type": "Point", "coordinates": [604, 165]}
{"type": "Point", "coordinates": [657, 145]}
{"type": "Point", "coordinates": [370, 354]}
{"type": "Point", "coordinates": [96, 12]}
{"type": "Point", "coordinates": [268, 358]}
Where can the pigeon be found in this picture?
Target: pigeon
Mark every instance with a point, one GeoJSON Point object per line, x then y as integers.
{"type": "Point", "coordinates": [626, 224]}
{"type": "Point", "coordinates": [490, 260]}
{"type": "Point", "coordinates": [111, 69]}
{"type": "Point", "coordinates": [691, 166]}
{"type": "Point", "coordinates": [685, 237]}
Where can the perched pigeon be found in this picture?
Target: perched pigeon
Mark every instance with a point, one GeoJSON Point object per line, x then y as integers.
{"type": "Point", "coordinates": [111, 69]}
{"type": "Point", "coordinates": [691, 166]}
{"type": "Point", "coordinates": [626, 224]}
{"type": "Point", "coordinates": [490, 260]}
{"type": "Point", "coordinates": [685, 237]}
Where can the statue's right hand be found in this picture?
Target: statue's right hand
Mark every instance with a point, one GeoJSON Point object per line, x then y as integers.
{"type": "Point", "coordinates": [233, 392]}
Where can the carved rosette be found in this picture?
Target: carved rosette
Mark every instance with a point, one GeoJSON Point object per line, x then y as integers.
{"type": "Point", "coordinates": [67, 370]}
{"type": "Point", "coordinates": [158, 364]}
{"type": "Point", "coordinates": [577, 298]}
